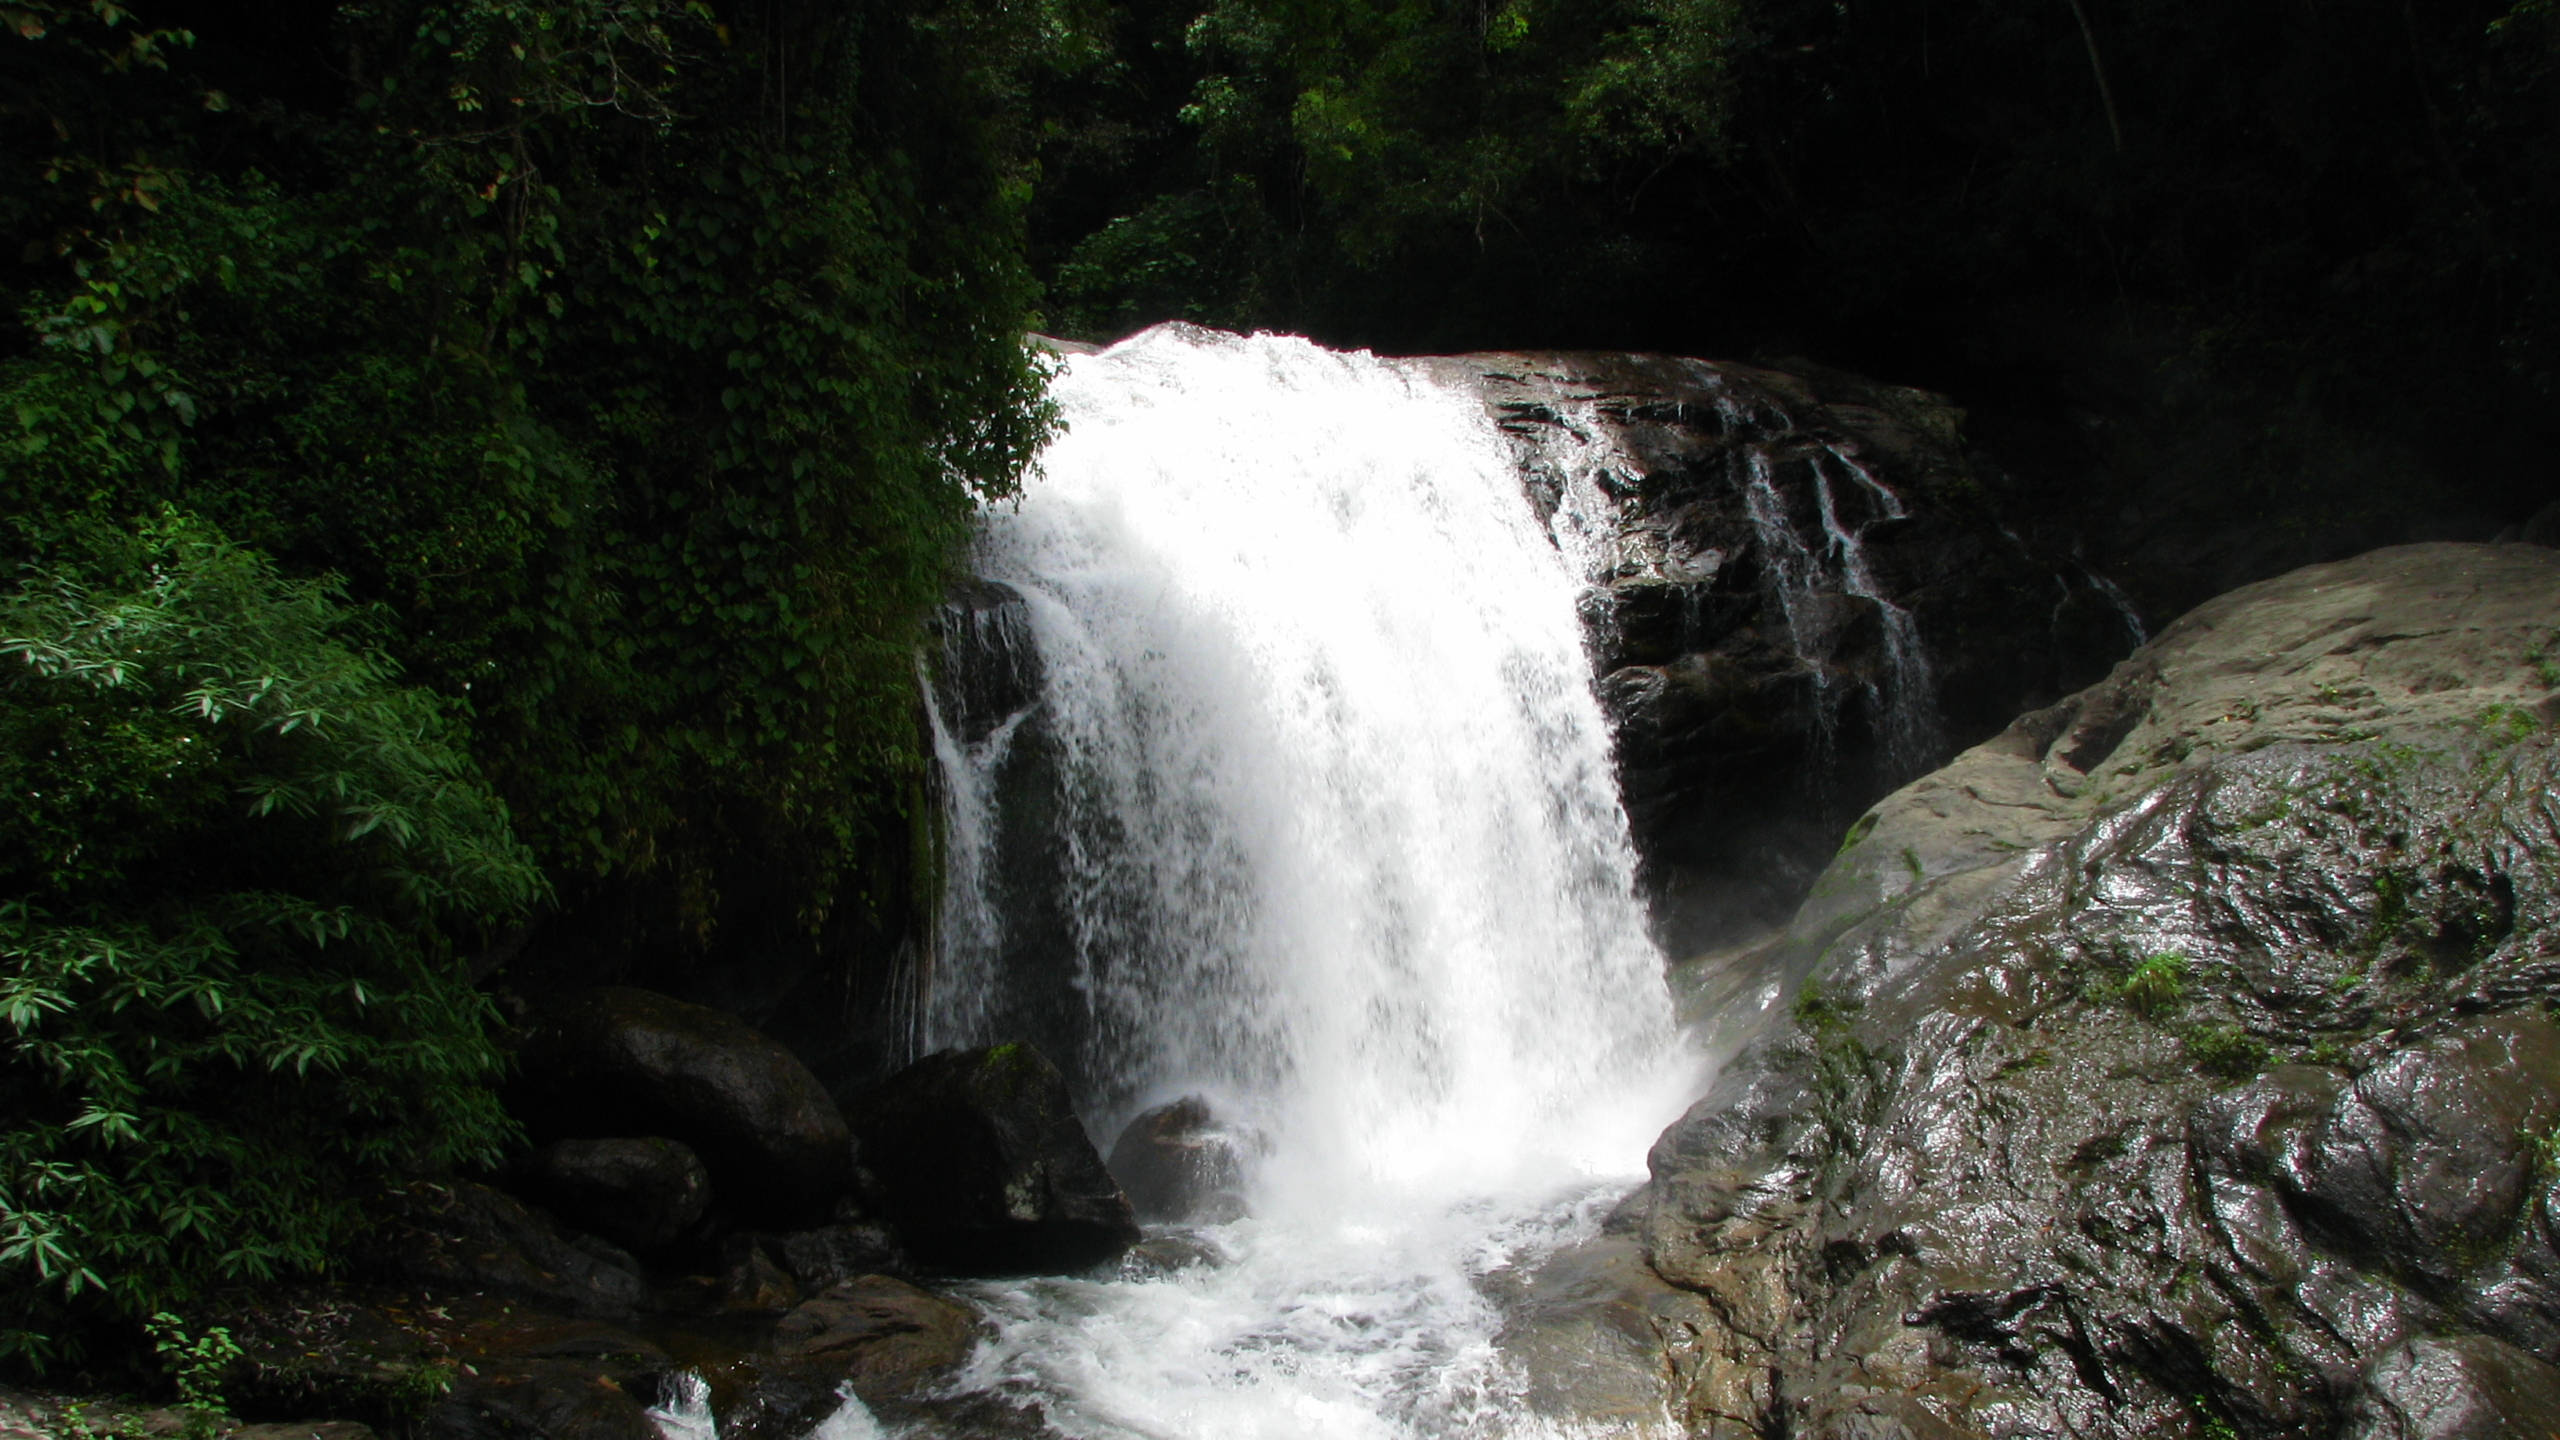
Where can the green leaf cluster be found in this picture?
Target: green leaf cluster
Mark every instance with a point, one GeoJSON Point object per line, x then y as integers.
{"type": "Point", "coordinates": [238, 859]}
{"type": "Point", "coordinates": [1366, 136]}
{"type": "Point", "coordinates": [2157, 985]}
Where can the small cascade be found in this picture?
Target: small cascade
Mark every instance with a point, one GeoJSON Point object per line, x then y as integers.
{"type": "Point", "coordinates": [1910, 702]}
{"type": "Point", "coordinates": [2124, 604]}
{"type": "Point", "coordinates": [685, 1412]}
{"type": "Point", "coordinates": [2065, 593]}
{"type": "Point", "coordinates": [952, 999]}
{"type": "Point", "coordinates": [852, 1420]}
{"type": "Point", "coordinates": [1796, 574]}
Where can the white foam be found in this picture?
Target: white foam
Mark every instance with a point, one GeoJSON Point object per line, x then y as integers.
{"type": "Point", "coordinates": [852, 1420]}
{"type": "Point", "coordinates": [1346, 855]}
{"type": "Point", "coordinates": [686, 1414]}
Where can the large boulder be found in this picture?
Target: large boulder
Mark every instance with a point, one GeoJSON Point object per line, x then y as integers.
{"type": "Point", "coordinates": [986, 1168]}
{"type": "Point", "coordinates": [618, 1062]}
{"type": "Point", "coordinates": [465, 1236]}
{"type": "Point", "coordinates": [2177, 1063]}
{"type": "Point", "coordinates": [638, 1192]}
{"type": "Point", "coordinates": [1177, 1162]}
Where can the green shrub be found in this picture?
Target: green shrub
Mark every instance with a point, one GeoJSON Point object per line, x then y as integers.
{"type": "Point", "coordinates": [237, 863]}
{"type": "Point", "coordinates": [1820, 1012]}
{"type": "Point", "coordinates": [2227, 1051]}
{"type": "Point", "coordinates": [2157, 983]}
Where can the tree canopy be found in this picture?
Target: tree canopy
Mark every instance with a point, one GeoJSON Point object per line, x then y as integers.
{"type": "Point", "coordinates": [2303, 239]}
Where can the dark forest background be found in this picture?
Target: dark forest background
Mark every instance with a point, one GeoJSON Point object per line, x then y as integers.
{"type": "Point", "coordinates": [2225, 287]}
{"type": "Point", "coordinates": [476, 473]}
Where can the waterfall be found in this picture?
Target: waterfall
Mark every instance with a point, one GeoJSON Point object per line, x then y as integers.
{"type": "Point", "coordinates": [2122, 602]}
{"type": "Point", "coordinates": [1313, 814]}
{"type": "Point", "coordinates": [1911, 739]}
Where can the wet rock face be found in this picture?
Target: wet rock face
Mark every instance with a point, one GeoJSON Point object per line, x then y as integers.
{"type": "Point", "coordinates": [639, 1192]}
{"type": "Point", "coordinates": [2457, 1389]}
{"type": "Point", "coordinates": [884, 1339]}
{"type": "Point", "coordinates": [2429, 1156]}
{"type": "Point", "coordinates": [1586, 1333]}
{"type": "Point", "coordinates": [1802, 594]}
{"type": "Point", "coordinates": [617, 1062]}
{"type": "Point", "coordinates": [1176, 1162]}
{"type": "Point", "coordinates": [2179, 1063]}
{"type": "Point", "coordinates": [466, 1236]}
{"type": "Point", "coordinates": [988, 660]}
{"type": "Point", "coordinates": [987, 1169]}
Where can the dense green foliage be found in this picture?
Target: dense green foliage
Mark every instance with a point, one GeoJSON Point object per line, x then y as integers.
{"type": "Point", "coordinates": [2288, 258]}
{"type": "Point", "coordinates": [646, 365]}
{"type": "Point", "coordinates": [237, 857]}
{"type": "Point", "coordinates": [1331, 152]}
{"type": "Point", "coordinates": [465, 451]}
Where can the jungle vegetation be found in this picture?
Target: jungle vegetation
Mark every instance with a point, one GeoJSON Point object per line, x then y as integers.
{"type": "Point", "coordinates": [460, 458]}
{"type": "Point", "coordinates": [473, 472]}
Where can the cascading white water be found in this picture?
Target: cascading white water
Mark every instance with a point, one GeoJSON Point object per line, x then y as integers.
{"type": "Point", "coordinates": [1343, 851]}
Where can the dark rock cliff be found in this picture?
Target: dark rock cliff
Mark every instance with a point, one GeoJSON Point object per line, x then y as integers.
{"type": "Point", "coordinates": [1803, 595]}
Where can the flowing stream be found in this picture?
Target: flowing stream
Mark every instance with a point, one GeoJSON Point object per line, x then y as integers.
{"type": "Point", "coordinates": [1325, 830]}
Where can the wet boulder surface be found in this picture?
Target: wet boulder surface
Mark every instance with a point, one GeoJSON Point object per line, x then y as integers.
{"type": "Point", "coordinates": [881, 1338]}
{"type": "Point", "coordinates": [986, 1168]}
{"type": "Point", "coordinates": [615, 1062]}
{"type": "Point", "coordinates": [2181, 1062]}
{"type": "Point", "coordinates": [1179, 1162]}
{"type": "Point", "coordinates": [638, 1192]}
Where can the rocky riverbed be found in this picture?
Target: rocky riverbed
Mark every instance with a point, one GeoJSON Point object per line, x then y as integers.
{"type": "Point", "coordinates": [699, 1237]}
